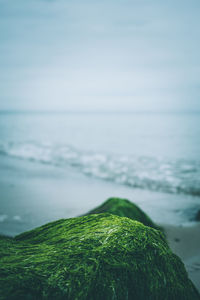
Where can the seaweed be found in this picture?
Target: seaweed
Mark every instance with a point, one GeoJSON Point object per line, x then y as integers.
{"type": "Point", "coordinates": [94, 257]}
{"type": "Point", "coordinates": [124, 208]}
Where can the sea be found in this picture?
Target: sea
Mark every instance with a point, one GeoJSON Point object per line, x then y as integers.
{"type": "Point", "coordinates": [145, 153]}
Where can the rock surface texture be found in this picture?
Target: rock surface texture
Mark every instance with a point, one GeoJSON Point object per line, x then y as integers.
{"type": "Point", "coordinates": [94, 257]}
{"type": "Point", "coordinates": [124, 208]}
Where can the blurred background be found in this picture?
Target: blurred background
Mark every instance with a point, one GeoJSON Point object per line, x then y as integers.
{"type": "Point", "coordinates": [98, 99]}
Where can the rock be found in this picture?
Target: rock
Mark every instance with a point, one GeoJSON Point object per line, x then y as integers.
{"type": "Point", "coordinates": [93, 257]}
{"type": "Point", "coordinates": [197, 218]}
{"type": "Point", "coordinates": [124, 208]}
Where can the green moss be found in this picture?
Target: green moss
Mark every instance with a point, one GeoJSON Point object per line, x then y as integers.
{"type": "Point", "coordinates": [93, 257]}
{"type": "Point", "coordinates": [124, 208]}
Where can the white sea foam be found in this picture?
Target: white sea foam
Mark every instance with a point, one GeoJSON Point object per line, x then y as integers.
{"type": "Point", "coordinates": [148, 173]}
{"type": "Point", "coordinates": [17, 218]}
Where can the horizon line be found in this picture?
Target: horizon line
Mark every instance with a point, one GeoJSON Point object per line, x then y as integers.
{"type": "Point", "coordinates": [73, 111]}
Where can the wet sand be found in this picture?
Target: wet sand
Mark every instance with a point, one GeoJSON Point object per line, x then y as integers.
{"type": "Point", "coordinates": [185, 242]}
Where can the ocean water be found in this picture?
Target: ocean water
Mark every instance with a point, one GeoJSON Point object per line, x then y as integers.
{"type": "Point", "coordinates": [151, 151]}
{"type": "Point", "coordinates": [157, 152]}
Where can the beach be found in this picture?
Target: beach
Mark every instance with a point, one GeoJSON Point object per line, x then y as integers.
{"type": "Point", "coordinates": [100, 108]}
{"type": "Point", "coordinates": [33, 194]}
{"type": "Point", "coordinates": [185, 242]}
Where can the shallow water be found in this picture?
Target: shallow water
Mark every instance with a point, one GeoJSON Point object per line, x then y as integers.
{"type": "Point", "coordinates": [151, 151]}
{"type": "Point", "coordinates": [33, 194]}
{"type": "Point", "coordinates": [151, 158]}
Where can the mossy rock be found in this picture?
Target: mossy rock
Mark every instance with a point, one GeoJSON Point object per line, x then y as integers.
{"type": "Point", "coordinates": [93, 257]}
{"type": "Point", "coordinates": [124, 208]}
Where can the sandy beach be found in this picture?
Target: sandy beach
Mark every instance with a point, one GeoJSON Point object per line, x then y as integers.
{"type": "Point", "coordinates": [185, 242]}
{"type": "Point", "coordinates": [32, 194]}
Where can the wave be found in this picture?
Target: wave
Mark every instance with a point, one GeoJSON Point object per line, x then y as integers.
{"type": "Point", "coordinates": [175, 176]}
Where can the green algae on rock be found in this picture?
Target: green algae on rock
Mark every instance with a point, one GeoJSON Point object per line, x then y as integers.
{"type": "Point", "coordinates": [123, 208]}
{"type": "Point", "coordinates": [93, 257]}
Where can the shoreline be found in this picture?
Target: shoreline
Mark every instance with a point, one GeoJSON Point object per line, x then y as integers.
{"type": "Point", "coordinates": [32, 194]}
{"type": "Point", "coordinates": [35, 193]}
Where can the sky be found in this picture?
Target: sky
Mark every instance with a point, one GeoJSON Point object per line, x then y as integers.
{"type": "Point", "coordinates": [100, 55]}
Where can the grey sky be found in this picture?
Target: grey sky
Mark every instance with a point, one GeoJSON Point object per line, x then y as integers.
{"type": "Point", "coordinates": [112, 55]}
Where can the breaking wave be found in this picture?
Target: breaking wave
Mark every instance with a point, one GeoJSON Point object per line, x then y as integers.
{"type": "Point", "coordinates": [175, 176]}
